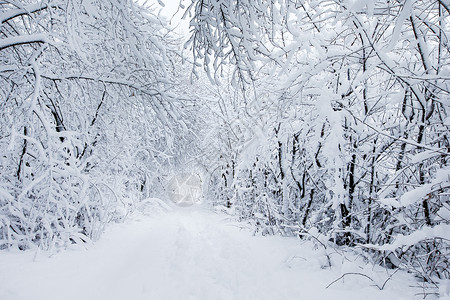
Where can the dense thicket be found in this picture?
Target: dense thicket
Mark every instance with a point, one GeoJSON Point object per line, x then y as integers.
{"type": "Point", "coordinates": [88, 119]}
{"type": "Point", "coordinates": [338, 126]}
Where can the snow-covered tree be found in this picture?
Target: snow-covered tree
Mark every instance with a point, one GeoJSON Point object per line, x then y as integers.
{"type": "Point", "coordinates": [347, 102]}
{"type": "Point", "coordinates": [88, 119]}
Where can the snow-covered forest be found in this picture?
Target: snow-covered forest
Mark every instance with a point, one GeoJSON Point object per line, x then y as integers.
{"type": "Point", "coordinates": [320, 120]}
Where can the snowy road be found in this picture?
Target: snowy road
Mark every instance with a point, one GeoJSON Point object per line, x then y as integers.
{"type": "Point", "coordinates": [189, 254]}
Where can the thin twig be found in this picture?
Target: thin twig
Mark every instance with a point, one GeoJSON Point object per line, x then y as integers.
{"type": "Point", "coordinates": [361, 274]}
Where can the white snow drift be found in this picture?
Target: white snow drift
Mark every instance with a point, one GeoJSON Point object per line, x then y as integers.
{"type": "Point", "coordinates": [189, 253]}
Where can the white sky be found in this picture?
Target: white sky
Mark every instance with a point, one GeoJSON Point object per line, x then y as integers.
{"type": "Point", "coordinates": [169, 9]}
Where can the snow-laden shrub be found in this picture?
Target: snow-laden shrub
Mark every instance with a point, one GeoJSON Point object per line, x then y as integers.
{"type": "Point", "coordinates": [85, 117]}
{"type": "Point", "coordinates": [339, 121]}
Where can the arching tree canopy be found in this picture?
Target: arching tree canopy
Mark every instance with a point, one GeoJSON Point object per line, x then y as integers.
{"type": "Point", "coordinates": [324, 119]}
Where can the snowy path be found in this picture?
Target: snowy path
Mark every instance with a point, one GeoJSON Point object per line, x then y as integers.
{"type": "Point", "coordinates": [188, 254]}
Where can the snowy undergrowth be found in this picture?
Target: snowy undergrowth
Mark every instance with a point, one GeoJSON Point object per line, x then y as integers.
{"type": "Point", "coordinates": [166, 252]}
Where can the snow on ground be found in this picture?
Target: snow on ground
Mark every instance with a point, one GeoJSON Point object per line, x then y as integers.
{"type": "Point", "coordinates": [192, 253]}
